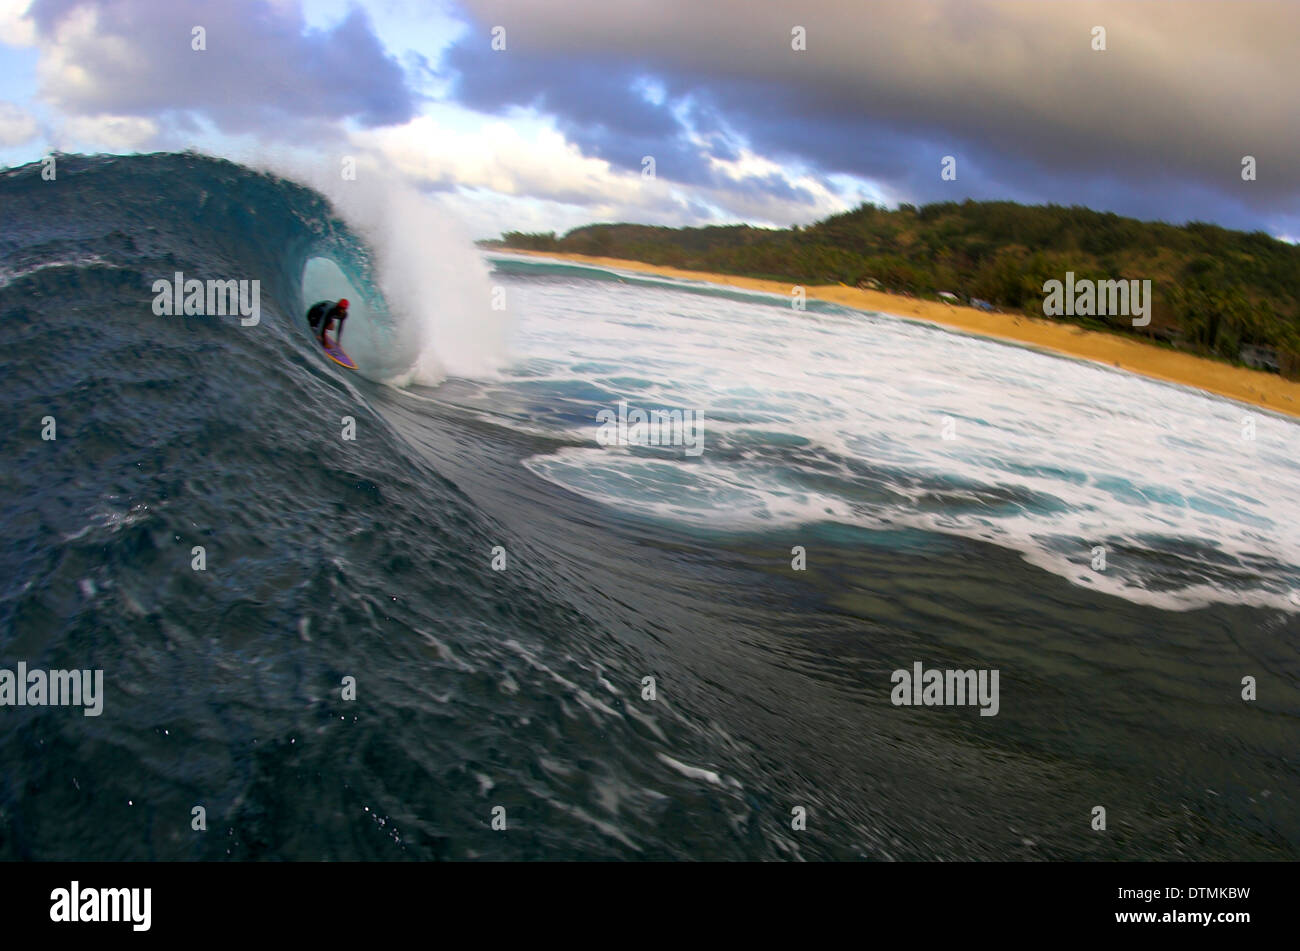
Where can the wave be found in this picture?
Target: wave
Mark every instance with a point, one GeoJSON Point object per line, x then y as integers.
{"type": "Point", "coordinates": [184, 511]}
{"type": "Point", "coordinates": [888, 425]}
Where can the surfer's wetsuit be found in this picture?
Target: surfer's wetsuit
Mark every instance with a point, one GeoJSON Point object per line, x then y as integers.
{"type": "Point", "coordinates": [322, 316]}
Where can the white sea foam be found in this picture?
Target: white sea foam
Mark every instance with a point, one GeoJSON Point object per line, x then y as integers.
{"type": "Point", "coordinates": [818, 417]}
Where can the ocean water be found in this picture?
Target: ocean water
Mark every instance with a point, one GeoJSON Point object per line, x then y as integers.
{"type": "Point", "coordinates": [951, 499]}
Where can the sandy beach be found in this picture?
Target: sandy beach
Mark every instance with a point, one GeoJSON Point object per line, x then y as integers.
{"type": "Point", "coordinates": [1266, 390]}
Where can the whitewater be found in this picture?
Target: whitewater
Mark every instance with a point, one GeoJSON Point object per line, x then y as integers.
{"type": "Point", "coordinates": [881, 423]}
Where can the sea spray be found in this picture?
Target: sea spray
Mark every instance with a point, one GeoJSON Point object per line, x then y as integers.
{"type": "Point", "coordinates": [437, 317]}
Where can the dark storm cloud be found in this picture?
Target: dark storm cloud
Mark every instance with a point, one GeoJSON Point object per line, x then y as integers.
{"type": "Point", "coordinates": [600, 106]}
{"type": "Point", "coordinates": [1156, 125]}
{"type": "Point", "coordinates": [595, 102]}
{"type": "Point", "coordinates": [263, 70]}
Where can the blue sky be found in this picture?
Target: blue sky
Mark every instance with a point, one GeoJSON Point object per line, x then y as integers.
{"type": "Point", "coordinates": [554, 130]}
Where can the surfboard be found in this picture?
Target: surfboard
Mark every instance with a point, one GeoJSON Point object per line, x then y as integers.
{"type": "Point", "coordinates": [335, 353]}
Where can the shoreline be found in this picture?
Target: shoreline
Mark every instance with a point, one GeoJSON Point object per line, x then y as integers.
{"type": "Point", "coordinates": [1265, 390]}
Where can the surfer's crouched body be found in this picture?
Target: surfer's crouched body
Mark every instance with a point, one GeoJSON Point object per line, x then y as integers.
{"type": "Point", "coordinates": [322, 316]}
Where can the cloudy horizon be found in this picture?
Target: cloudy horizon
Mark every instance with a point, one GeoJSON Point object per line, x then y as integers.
{"type": "Point", "coordinates": [554, 130]}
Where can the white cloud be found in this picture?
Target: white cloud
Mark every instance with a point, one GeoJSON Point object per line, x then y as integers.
{"type": "Point", "coordinates": [510, 159]}
{"type": "Point", "coordinates": [15, 28]}
{"type": "Point", "coordinates": [16, 125]}
{"type": "Point", "coordinates": [59, 69]}
{"type": "Point", "coordinates": [110, 132]}
{"type": "Point", "coordinates": [520, 167]}
{"type": "Point", "coordinates": [771, 208]}
{"type": "Point", "coordinates": [523, 174]}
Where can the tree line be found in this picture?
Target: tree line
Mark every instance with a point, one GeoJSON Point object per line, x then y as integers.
{"type": "Point", "coordinates": [1216, 292]}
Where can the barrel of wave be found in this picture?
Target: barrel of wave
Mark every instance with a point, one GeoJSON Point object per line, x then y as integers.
{"type": "Point", "coordinates": [365, 334]}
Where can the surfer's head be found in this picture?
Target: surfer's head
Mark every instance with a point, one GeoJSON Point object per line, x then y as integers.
{"type": "Point", "coordinates": [343, 303]}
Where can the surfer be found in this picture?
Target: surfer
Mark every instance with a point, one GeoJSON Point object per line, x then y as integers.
{"type": "Point", "coordinates": [323, 314]}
